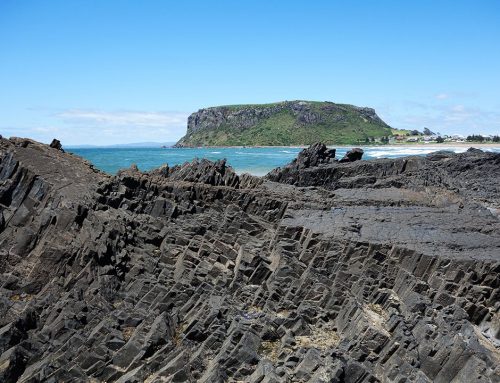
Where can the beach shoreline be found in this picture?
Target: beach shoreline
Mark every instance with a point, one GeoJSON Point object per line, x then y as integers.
{"type": "Point", "coordinates": [395, 145]}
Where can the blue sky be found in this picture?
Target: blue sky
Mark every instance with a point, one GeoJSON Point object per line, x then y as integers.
{"type": "Point", "coordinates": [102, 72]}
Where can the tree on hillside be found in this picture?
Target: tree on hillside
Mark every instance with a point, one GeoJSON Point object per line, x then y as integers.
{"type": "Point", "coordinates": [440, 140]}
{"type": "Point", "coordinates": [428, 132]}
{"type": "Point", "coordinates": [475, 138]}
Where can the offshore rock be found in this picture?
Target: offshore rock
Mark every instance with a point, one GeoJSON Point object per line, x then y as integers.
{"type": "Point", "coordinates": [352, 155]}
{"type": "Point", "coordinates": [366, 271]}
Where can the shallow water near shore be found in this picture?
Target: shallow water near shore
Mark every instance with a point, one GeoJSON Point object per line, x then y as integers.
{"type": "Point", "coordinates": [253, 160]}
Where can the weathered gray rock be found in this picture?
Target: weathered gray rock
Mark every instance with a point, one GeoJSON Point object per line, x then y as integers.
{"type": "Point", "coordinates": [313, 156]}
{"type": "Point", "coordinates": [352, 155]}
{"type": "Point", "coordinates": [56, 144]}
{"type": "Point", "coordinates": [365, 271]}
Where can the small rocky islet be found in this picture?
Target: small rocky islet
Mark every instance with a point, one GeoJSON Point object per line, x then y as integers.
{"type": "Point", "coordinates": [322, 271]}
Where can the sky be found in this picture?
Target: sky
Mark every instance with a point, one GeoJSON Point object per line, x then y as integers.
{"type": "Point", "coordinates": [122, 71]}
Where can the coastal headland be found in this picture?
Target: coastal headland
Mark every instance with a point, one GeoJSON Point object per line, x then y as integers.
{"type": "Point", "coordinates": [283, 123]}
{"type": "Point", "coordinates": [301, 123]}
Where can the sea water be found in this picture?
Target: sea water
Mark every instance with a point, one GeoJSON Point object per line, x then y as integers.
{"type": "Point", "coordinates": [253, 160]}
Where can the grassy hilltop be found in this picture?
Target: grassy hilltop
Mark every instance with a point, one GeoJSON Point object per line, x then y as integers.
{"type": "Point", "coordinates": [283, 123]}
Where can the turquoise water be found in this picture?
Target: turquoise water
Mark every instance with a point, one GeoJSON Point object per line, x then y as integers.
{"type": "Point", "coordinates": [257, 161]}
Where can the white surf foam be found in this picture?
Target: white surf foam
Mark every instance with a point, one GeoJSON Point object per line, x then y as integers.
{"type": "Point", "coordinates": [398, 152]}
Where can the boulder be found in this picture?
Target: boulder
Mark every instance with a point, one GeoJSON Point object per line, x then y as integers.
{"type": "Point", "coordinates": [56, 144]}
{"type": "Point", "coordinates": [352, 155]}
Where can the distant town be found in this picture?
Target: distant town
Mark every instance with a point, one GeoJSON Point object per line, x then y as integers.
{"type": "Point", "coordinates": [427, 136]}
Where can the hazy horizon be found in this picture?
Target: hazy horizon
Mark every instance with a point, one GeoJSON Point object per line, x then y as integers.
{"type": "Point", "coordinates": [118, 72]}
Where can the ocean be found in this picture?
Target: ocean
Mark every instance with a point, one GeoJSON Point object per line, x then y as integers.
{"type": "Point", "coordinates": [253, 160]}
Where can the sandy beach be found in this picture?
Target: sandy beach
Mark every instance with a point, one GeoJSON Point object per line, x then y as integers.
{"type": "Point", "coordinates": [443, 145]}
{"type": "Point", "coordinates": [446, 144]}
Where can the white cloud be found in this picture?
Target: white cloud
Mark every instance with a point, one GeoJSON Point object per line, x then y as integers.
{"type": "Point", "coordinates": [454, 95]}
{"type": "Point", "coordinates": [124, 118]}
{"type": "Point", "coordinates": [458, 108]}
{"type": "Point", "coordinates": [46, 129]}
{"type": "Point", "coordinates": [442, 96]}
{"type": "Point", "coordinates": [446, 118]}
{"type": "Point", "coordinates": [102, 127]}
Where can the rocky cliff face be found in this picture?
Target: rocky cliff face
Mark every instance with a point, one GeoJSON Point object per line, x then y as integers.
{"type": "Point", "coordinates": [365, 271]}
{"type": "Point", "coordinates": [261, 124]}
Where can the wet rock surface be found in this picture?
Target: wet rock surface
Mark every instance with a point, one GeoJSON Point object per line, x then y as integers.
{"type": "Point", "coordinates": [366, 271]}
{"type": "Point", "coordinates": [352, 155]}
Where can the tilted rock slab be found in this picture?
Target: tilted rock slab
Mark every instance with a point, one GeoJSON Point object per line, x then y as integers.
{"type": "Point", "coordinates": [368, 271]}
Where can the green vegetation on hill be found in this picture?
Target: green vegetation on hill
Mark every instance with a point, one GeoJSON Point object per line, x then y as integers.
{"type": "Point", "coordinates": [286, 123]}
{"type": "Point", "coordinates": [401, 132]}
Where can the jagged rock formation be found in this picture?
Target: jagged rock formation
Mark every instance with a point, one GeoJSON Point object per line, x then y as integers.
{"type": "Point", "coordinates": [366, 271]}
{"type": "Point", "coordinates": [283, 123]}
{"type": "Point", "coordinates": [56, 144]}
{"type": "Point", "coordinates": [352, 155]}
{"type": "Point", "coordinates": [314, 156]}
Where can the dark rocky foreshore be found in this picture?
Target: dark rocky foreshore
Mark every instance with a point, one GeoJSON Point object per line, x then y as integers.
{"type": "Point", "coordinates": [366, 271]}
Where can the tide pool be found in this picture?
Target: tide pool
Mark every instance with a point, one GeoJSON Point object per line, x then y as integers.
{"type": "Point", "coordinates": [253, 160]}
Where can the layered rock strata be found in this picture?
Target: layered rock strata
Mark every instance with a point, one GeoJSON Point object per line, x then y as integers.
{"type": "Point", "coordinates": [366, 271]}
